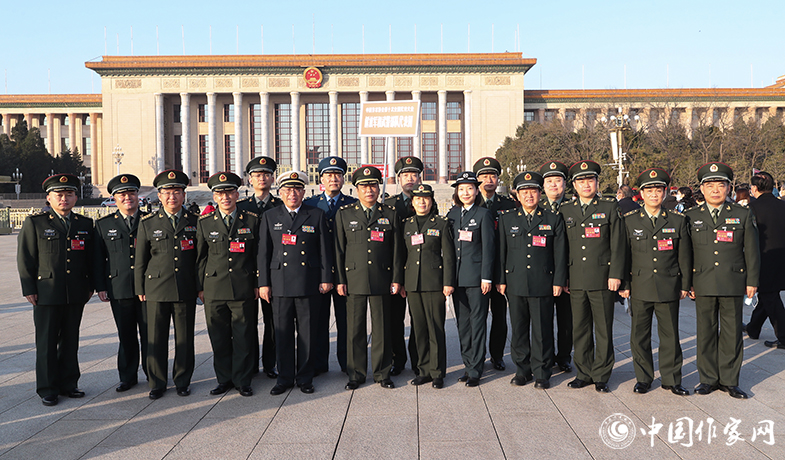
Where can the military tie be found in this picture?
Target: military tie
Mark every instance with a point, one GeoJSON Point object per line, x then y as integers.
{"type": "Point", "coordinates": [228, 221]}
{"type": "Point", "coordinates": [130, 222]}
{"type": "Point", "coordinates": [331, 205]}
{"type": "Point", "coordinates": [292, 214]}
{"type": "Point", "coordinates": [174, 221]}
{"type": "Point", "coordinates": [368, 214]}
{"type": "Point", "coordinates": [463, 213]}
{"type": "Point", "coordinates": [489, 203]}
{"type": "Point", "coordinates": [66, 224]}
{"type": "Point", "coordinates": [653, 221]}
{"type": "Point", "coordinates": [553, 206]}
{"type": "Point", "coordinates": [583, 208]}
{"type": "Point", "coordinates": [529, 220]}
{"type": "Point", "coordinates": [715, 213]}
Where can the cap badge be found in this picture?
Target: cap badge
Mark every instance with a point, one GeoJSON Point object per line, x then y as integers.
{"type": "Point", "coordinates": [713, 168]}
{"type": "Point", "coordinates": [63, 179]}
{"type": "Point", "coordinates": [408, 161]}
{"type": "Point", "coordinates": [584, 166]}
{"type": "Point", "coordinates": [421, 188]}
{"type": "Point", "coordinates": [262, 161]}
{"type": "Point", "coordinates": [171, 175]}
{"type": "Point", "coordinates": [123, 180]}
{"type": "Point", "coordinates": [486, 162]}
{"type": "Point", "coordinates": [367, 172]}
{"type": "Point", "coordinates": [465, 175]}
{"type": "Point", "coordinates": [293, 176]}
{"type": "Point", "coordinates": [222, 178]}
{"type": "Point", "coordinates": [333, 161]}
{"type": "Point", "coordinates": [528, 176]}
{"type": "Point", "coordinates": [653, 174]}
{"type": "Point", "coordinates": [553, 165]}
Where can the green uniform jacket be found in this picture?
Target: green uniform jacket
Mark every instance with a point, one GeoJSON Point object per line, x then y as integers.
{"type": "Point", "coordinates": [498, 205]}
{"type": "Point", "coordinates": [55, 265]}
{"type": "Point", "coordinates": [368, 266]}
{"type": "Point", "coordinates": [249, 204]}
{"type": "Point", "coordinates": [597, 243]}
{"type": "Point", "coordinates": [430, 265]}
{"type": "Point", "coordinates": [724, 268]}
{"type": "Point", "coordinates": [532, 258]}
{"type": "Point", "coordinates": [226, 258]}
{"type": "Point", "coordinates": [165, 269]}
{"type": "Point", "coordinates": [660, 256]}
{"type": "Point", "coordinates": [115, 249]}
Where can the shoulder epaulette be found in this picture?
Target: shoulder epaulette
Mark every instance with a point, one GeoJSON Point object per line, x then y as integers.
{"type": "Point", "coordinates": [39, 213]}
{"type": "Point", "coordinates": [602, 198]}
{"type": "Point", "coordinates": [673, 211]}
{"type": "Point", "coordinates": [444, 218]}
{"type": "Point", "coordinates": [251, 213]}
{"type": "Point", "coordinates": [246, 198]}
{"type": "Point", "coordinates": [506, 211]}
{"type": "Point", "coordinates": [411, 219]}
{"type": "Point", "coordinates": [148, 216]}
{"type": "Point", "coordinates": [634, 211]}
{"type": "Point", "coordinates": [347, 206]}
{"type": "Point", "coordinates": [693, 207]}
{"type": "Point", "coordinates": [106, 216]}
{"type": "Point", "coordinates": [206, 215]}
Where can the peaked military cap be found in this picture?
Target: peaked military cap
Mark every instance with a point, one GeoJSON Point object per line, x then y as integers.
{"type": "Point", "coordinates": [171, 178]}
{"type": "Point", "coordinates": [466, 177]}
{"type": "Point", "coordinates": [528, 179]}
{"type": "Point", "coordinates": [61, 182]}
{"type": "Point", "coordinates": [423, 190]}
{"type": "Point", "coordinates": [265, 164]}
{"type": "Point", "coordinates": [293, 179]}
{"type": "Point", "coordinates": [408, 164]}
{"type": "Point", "coordinates": [224, 181]}
{"type": "Point", "coordinates": [584, 168]}
{"type": "Point", "coordinates": [330, 164]}
{"type": "Point", "coordinates": [123, 183]}
{"type": "Point", "coordinates": [487, 165]}
{"type": "Point", "coordinates": [554, 168]}
{"type": "Point", "coordinates": [653, 177]}
{"type": "Point", "coordinates": [715, 171]}
{"type": "Point", "coordinates": [366, 175]}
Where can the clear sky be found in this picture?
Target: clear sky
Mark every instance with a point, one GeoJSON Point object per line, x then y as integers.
{"type": "Point", "coordinates": [577, 44]}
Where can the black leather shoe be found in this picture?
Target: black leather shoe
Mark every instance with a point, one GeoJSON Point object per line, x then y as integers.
{"type": "Point", "coordinates": [542, 384]}
{"type": "Point", "coordinates": [578, 383]}
{"type": "Point", "coordinates": [464, 377]}
{"type": "Point", "coordinates": [641, 388]}
{"type": "Point", "coordinates": [74, 393]}
{"type": "Point", "coordinates": [124, 386]}
{"type": "Point", "coordinates": [677, 390]}
{"type": "Point", "coordinates": [498, 364]}
{"type": "Point", "coordinates": [221, 389]}
{"type": "Point", "coordinates": [279, 389]}
{"type": "Point", "coordinates": [50, 400]}
{"type": "Point", "coordinates": [395, 370]}
{"type": "Point", "coordinates": [472, 382]}
{"type": "Point", "coordinates": [564, 367]}
{"type": "Point", "coordinates": [156, 393]}
{"type": "Point", "coordinates": [438, 383]}
{"type": "Point", "coordinates": [270, 373]}
{"type": "Point", "coordinates": [602, 387]}
{"type": "Point", "coordinates": [183, 391]}
{"type": "Point", "coordinates": [307, 388]}
{"type": "Point", "coordinates": [387, 383]}
{"type": "Point", "coordinates": [521, 380]}
{"type": "Point", "coordinates": [735, 392]}
{"type": "Point", "coordinates": [352, 385]}
{"type": "Point", "coordinates": [704, 389]}
{"type": "Point", "coordinates": [421, 380]}
{"type": "Point", "coordinates": [775, 344]}
{"type": "Point", "coordinates": [245, 391]}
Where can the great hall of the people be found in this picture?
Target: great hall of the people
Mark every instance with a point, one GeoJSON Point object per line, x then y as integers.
{"type": "Point", "coordinates": [205, 114]}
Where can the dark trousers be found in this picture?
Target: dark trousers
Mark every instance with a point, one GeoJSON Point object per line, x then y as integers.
{"type": "Point", "coordinates": [56, 348]}
{"type": "Point", "coordinates": [497, 336]}
{"type": "Point", "coordinates": [321, 349]}
{"type": "Point", "coordinates": [130, 316]}
{"type": "Point", "coordinates": [295, 315]}
{"type": "Point", "coordinates": [268, 338]}
{"type": "Point", "coordinates": [592, 315]}
{"type": "Point", "coordinates": [532, 354]}
{"type": "Point", "coordinates": [357, 336]}
{"type": "Point", "coordinates": [769, 306]}
{"type": "Point", "coordinates": [231, 336]}
{"type": "Point", "coordinates": [159, 315]}
{"type": "Point", "coordinates": [720, 348]}
{"type": "Point", "coordinates": [428, 314]}
{"type": "Point", "coordinates": [563, 328]}
{"type": "Point", "coordinates": [471, 316]}
{"type": "Point", "coordinates": [670, 356]}
{"type": "Point", "coordinates": [398, 334]}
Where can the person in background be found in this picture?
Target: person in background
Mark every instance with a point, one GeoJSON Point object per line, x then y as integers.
{"type": "Point", "coordinates": [624, 196]}
{"type": "Point", "coordinates": [208, 209]}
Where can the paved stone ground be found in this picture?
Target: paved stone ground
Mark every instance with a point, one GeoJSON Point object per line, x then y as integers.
{"type": "Point", "coordinates": [495, 420]}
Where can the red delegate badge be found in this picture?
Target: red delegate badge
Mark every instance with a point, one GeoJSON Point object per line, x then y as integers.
{"type": "Point", "coordinates": [289, 239]}
{"type": "Point", "coordinates": [464, 235]}
{"type": "Point", "coordinates": [665, 245]}
{"type": "Point", "coordinates": [377, 235]}
{"type": "Point", "coordinates": [187, 244]}
{"type": "Point", "coordinates": [77, 245]}
{"type": "Point", "coordinates": [725, 236]}
{"type": "Point", "coordinates": [592, 232]}
{"type": "Point", "coordinates": [539, 241]}
{"type": "Point", "coordinates": [237, 246]}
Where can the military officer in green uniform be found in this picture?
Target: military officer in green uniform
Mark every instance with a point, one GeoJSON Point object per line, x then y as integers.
{"type": "Point", "coordinates": [487, 170]}
{"type": "Point", "coordinates": [726, 266]}
{"type": "Point", "coordinates": [429, 278]}
{"type": "Point", "coordinates": [369, 269]}
{"type": "Point", "coordinates": [532, 270]}
{"type": "Point", "coordinates": [226, 244]}
{"type": "Point", "coordinates": [165, 277]}
{"type": "Point", "coordinates": [554, 174]}
{"type": "Point", "coordinates": [55, 260]}
{"type": "Point", "coordinates": [661, 275]}
{"type": "Point", "coordinates": [115, 249]}
{"type": "Point", "coordinates": [597, 256]}
{"type": "Point", "coordinates": [261, 172]}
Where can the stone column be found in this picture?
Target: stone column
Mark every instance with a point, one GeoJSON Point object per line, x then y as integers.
{"type": "Point", "coordinates": [7, 124]}
{"type": "Point", "coordinates": [72, 144]}
{"type": "Point", "coordinates": [78, 122]}
{"type": "Point", "coordinates": [467, 129]}
{"type": "Point", "coordinates": [239, 141]}
{"type": "Point", "coordinates": [57, 136]}
{"type": "Point", "coordinates": [417, 140]}
{"type": "Point", "coordinates": [35, 121]}
{"type": "Point", "coordinates": [94, 148]}
{"type": "Point", "coordinates": [390, 144]}
{"type": "Point", "coordinates": [540, 116]}
{"type": "Point", "coordinates": [363, 140]}
{"type": "Point", "coordinates": [159, 133]}
{"type": "Point", "coordinates": [689, 112]}
{"type": "Point", "coordinates": [98, 151]}
{"type": "Point", "coordinates": [334, 123]}
{"type": "Point", "coordinates": [442, 117]}
{"type": "Point", "coordinates": [29, 120]}
{"type": "Point", "coordinates": [185, 135]}
{"type": "Point", "coordinates": [264, 111]}
{"type": "Point", "coordinates": [212, 134]}
{"type": "Point", "coordinates": [295, 130]}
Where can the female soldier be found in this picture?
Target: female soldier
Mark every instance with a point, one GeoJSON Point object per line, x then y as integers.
{"type": "Point", "coordinates": [429, 277]}
{"type": "Point", "coordinates": [473, 234]}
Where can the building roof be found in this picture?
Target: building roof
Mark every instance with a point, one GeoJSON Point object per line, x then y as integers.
{"type": "Point", "coordinates": [654, 95]}
{"type": "Point", "coordinates": [50, 100]}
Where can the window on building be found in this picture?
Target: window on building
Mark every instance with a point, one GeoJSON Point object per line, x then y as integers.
{"type": "Point", "coordinates": [178, 153]}
{"type": "Point", "coordinates": [86, 121]}
{"type": "Point", "coordinates": [64, 143]}
{"type": "Point", "coordinates": [350, 128]}
{"type": "Point", "coordinates": [176, 113]}
{"type": "Point", "coordinates": [550, 115]}
{"type": "Point", "coordinates": [66, 120]}
{"type": "Point", "coordinates": [405, 146]}
{"type": "Point", "coordinates": [428, 110]}
{"type": "Point", "coordinates": [454, 154]}
{"type": "Point", "coordinates": [228, 113]}
{"type": "Point", "coordinates": [377, 150]}
{"type": "Point", "coordinates": [204, 172]}
{"type": "Point", "coordinates": [86, 146]}
{"type": "Point", "coordinates": [454, 110]}
{"type": "Point", "coordinates": [283, 133]}
{"type": "Point", "coordinates": [430, 155]}
{"type": "Point", "coordinates": [317, 132]}
{"type": "Point", "coordinates": [528, 116]}
{"type": "Point", "coordinates": [230, 158]}
{"type": "Point", "coordinates": [256, 129]}
{"type": "Point", "coordinates": [201, 114]}
{"type": "Point", "coordinates": [569, 115]}
{"type": "Point", "coordinates": [46, 122]}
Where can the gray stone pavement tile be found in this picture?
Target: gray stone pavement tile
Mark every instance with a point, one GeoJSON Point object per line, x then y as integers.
{"type": "Point", "coordinates": [528, 435]}
{"type": "Point", "coordinates": [27, 418]}
{"type": "Point", "coordinates": [314, 427]}
{"type": "Point", "coordinates": [111, 405]}
{"type": "Point", "coordinates": [233, 438]}
{"type": "Point", "coordinates": [231, 404]}
{"type": "Point", "coordinates": [64, 440]}
{"type": "Point", "coordinates": [451, 450]}
{"type": "Point", "coordinates": [380, 436]}
{"type": "Point", "coordinates": [371, 399]}
{"type": "Point", "coordinates": [293, 451]}
{"type": "Point", "coordinates": [141, 451]}
{"type": "Point", "coordinates": [453, 415]}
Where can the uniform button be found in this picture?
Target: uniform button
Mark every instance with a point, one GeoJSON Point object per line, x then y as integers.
{"type": "Point", "coordinates": [39, 277]}
{"type": "Point", "coordinates": [529, 245]}
{"type": "Point", "coordinates": [584, 258]}
{"type": "Point", "coordinates": [528, 266]}
{"type": "Point", "coordinates": [654, 237]}
{"type": "Point", "coordinates": [716, 253]}
{"type": "Point", "coordinates": [175, 258]}
{"type": "Point", "coordinates": [694, 270]}
{"type": "Point", "coordinates": [716, 263]}
{"type": "Point", "coordinates": [528, 234]}
{"type": "Point", "coordinates": [67, 249]}
{"type": "Point", "coordinates": [655, 270]}
{"type": "Point", "coordinates": [302, 242]}
{"type": "Point", "coordinates": [230, 269]}
{"type": "Point", "coordinates": [301, 263]}
{"type": "Point", "coordinates": [715, 241]}
{"type": "Point", "coordinates": [505, 271]}
{"type": "Point", "coordinates": [583, 236]}
{"type": "Point", "coordinates": [68, 271]}
{"type": "Point", "coordinates": [150, 276]}
{"type": "Point", "coordinates": [742, 270]}
{"type": "Point", "coordinates": [369, 240]}
{"type": "Point", "coordinates": [132, 267]}
{"type": "Point", "coordinates": [369, 262]}
{"type": "Point", "coordinates": [175, 248]}
{"type": "Point", "coordinates": [418, 250]}
{"type": "Point", "coordinates": [528, 256]}
{"type": "Point", "coordinates": [583, 247]}
{"type": "Point", "coordinates": [653, 249]}
{"type": "Point", "coordinates": [715, 230]}
{"type": "Point", "coordinates": [418, 262]}
{"type": "Point", "coordinates": [132, 256]}
{"type": "Point", "coordinates": [230, 259]}
{"type": "Point", "coordinates": [583, 225]}
{"type": "Point", "coordinates": [655, 259]}
{"type": "Point", "coordinates": [301, 252]}
{"type": "Point", "coordinates": [459, 249]}
{"type": "Point", "coordinates": [67, 260]}
{"type": "Point", "coordinates": [369, 251]}
{"type": "Point", "coordinates": [285, 253]}
{"type": "Point", "coordinates": [177, 269]}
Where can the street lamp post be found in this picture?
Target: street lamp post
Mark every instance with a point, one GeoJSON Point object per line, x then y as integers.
{"type": "Point", "coordinates": [617, 125]}
{"type": "Point", "coordinates": [17, 177]}
{"type": "Point", "coordinates": [81, 184]}
{"type": "Point", "coordinates": [117, 154]}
